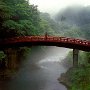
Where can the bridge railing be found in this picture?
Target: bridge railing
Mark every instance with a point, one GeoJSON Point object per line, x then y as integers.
{"type": "Point", "coordinates": [46, 39]}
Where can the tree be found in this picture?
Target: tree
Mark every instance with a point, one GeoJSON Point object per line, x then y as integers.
{"type": "Point", "coordinates": [19, 18]}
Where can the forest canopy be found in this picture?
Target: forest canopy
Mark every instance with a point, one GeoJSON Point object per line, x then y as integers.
{"type": "Point", "coordinates": [20, 18]}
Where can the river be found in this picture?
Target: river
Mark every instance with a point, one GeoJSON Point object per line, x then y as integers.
{"type": "Point", "coordinates": [41, 75]}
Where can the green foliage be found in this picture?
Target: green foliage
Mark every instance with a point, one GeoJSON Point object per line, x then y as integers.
{"type": "Point", "coordinates": [45, 27]}
{"type": "Point", "coordinates": [24, 19]}
{"type": "Point", "coordinates": [47, 24]}
{"type": "Point", "coordinates": [11, 25]}
{"type": "Point", "coordinates": [24, 52]}
{"type": "Point", "coordinates": [86, 29]}
{"type": "Point", "coordinates": [4, 11]}
{"type": "Point", "coordinates": [18, 17]}
{"type": "Point", "coordinates": [2, 55]}
{"type": "Point", "coordinates": [74, 21]}
{"type": "Point", "coordinates": [80, 78]}
{"type": "Point", "coordinates": [74, 32]}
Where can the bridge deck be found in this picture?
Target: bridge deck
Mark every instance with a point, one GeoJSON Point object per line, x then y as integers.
{"type": "Point", "coordinates": [46, 40]}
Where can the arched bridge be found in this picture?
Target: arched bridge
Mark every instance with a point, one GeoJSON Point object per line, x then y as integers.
{"type": "Point", "coordinates": [46, 41]}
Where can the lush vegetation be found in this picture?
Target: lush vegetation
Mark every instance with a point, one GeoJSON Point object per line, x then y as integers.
{"type": "Point", "coordinates": [78, 77]}
{"type": "Point", "coordinates": [17, 18]}
{"type": "Point", "coordinates": [20, 18]}
{"type": "Point", "coordinates": [75, 22]}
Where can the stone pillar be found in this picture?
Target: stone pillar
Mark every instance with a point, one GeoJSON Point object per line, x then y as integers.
{"type": "Point", "coordinates": [75, 57]}
{"type": "Point", "coordinates": [11, 58]}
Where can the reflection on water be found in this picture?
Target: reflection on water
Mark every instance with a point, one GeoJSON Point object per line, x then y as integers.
{"type": "Point", "coordinates": [38, 76]}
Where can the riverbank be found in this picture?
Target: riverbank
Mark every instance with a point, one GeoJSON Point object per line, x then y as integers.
{"type": "Point", "coordinates": [64, 79]}
{"type": "Point", "coordinates": [76, 78]}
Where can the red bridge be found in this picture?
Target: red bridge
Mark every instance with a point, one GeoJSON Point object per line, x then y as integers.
{"type": "Point", "coordinates": [45, 41]}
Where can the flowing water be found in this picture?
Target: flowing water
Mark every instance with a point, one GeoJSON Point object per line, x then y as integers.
{"type": "Point", "coordinates": [41, 75]}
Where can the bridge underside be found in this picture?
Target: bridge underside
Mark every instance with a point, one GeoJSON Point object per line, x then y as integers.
{"type": "Point", "coordinates": [11, 45]}
{"type": "Point", "coordinates": [42, 43]}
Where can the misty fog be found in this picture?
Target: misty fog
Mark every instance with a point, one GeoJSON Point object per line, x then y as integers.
{"type": "Point", "coordinates": [42, 67]}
